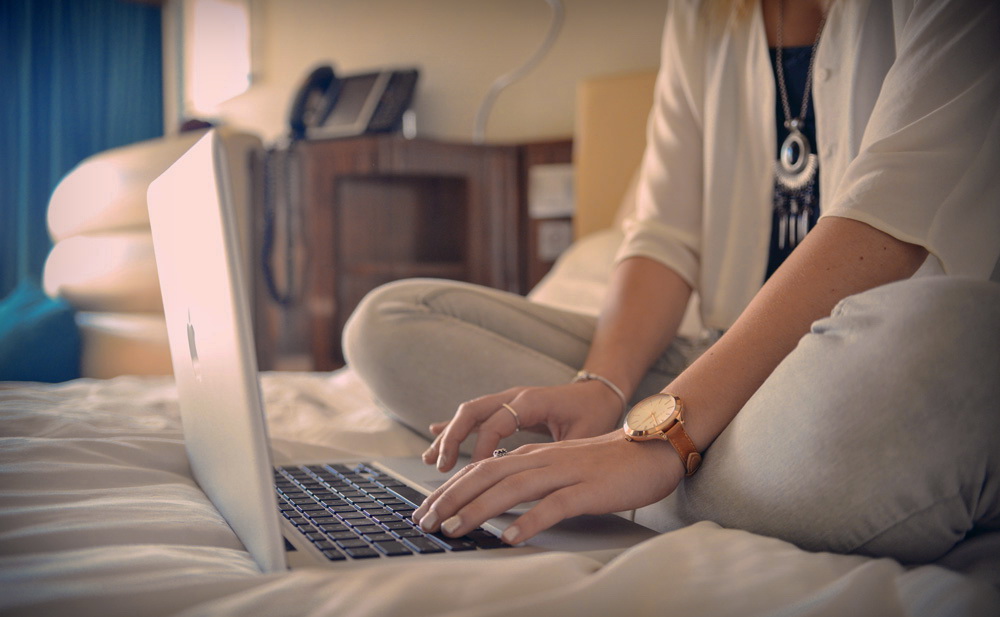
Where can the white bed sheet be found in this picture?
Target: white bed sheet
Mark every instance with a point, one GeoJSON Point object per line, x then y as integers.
{"type": "Point", "coordinates": [99, 515]}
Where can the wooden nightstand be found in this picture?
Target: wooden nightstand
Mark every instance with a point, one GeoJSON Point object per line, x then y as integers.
{"type": "Point", "coordinates": [381, 208]}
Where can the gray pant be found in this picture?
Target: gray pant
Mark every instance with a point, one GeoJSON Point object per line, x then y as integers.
{"type": "Point", "coordinates": [879, 434]}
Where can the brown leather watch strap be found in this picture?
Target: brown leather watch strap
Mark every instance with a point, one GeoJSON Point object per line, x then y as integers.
{"type": "Point", "coordinates": [681, 441]}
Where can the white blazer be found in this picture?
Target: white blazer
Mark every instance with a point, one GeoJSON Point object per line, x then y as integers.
{"type": "Point", "coordinates": [907, 100]}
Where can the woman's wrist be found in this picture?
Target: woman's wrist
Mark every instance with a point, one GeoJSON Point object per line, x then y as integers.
{"type": "Point", "coordinates": [584, 375]}
{"type": "Point", "coordinates": [610, 404]}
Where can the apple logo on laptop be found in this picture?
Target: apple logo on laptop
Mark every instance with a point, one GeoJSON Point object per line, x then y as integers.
{"type": "Point", "coordinates": [193, 348]}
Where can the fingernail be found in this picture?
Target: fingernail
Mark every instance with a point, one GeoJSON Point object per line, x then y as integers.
{"type": "Point", "coordinates": [427, 522]}
{"type": "Point", "coordinates": [440, 463]}
{"type": "Point", "coordinates": [451, 525]}
{"type": "Point", "coordinates": [510, 534]}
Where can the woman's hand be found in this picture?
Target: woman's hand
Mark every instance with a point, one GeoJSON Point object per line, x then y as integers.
{"type": "Point", "coordinates": [570, 411]}
{"type": "Point", "coordinates": [597, 475]}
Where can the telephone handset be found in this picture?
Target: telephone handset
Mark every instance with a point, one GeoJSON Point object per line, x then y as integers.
{"type": "Point", "coordinates": [327, 106]}
{"type": "Point", "coordinates": [314, 100]}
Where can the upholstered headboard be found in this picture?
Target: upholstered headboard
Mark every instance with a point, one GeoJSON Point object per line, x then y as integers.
{"type": "Point", "coordinates": [610, 136]}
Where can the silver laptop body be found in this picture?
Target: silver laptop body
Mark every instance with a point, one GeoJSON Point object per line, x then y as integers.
{"type": "Point", "coordinates": [209, 329]}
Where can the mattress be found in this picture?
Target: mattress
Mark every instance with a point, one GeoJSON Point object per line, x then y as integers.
{"type": "Point", "coordinates": [99, 515]}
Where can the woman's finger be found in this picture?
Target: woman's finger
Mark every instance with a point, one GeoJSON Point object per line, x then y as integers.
{"type": "Point", "coordinates": [501, 424]}
{"type": "Point", "coordinates": [559, 505]}
{"type": "Point", "coordinates": [470, 416]}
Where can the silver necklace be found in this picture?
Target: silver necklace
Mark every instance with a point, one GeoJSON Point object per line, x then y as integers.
{"type": "Point", "coordinates": [795, 169]}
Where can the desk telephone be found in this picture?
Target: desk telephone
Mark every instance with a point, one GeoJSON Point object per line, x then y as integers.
{"type": "Point", "coordinates": [327, 106]}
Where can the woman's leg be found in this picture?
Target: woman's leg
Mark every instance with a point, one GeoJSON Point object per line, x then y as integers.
{"type": "Point", "coordinates": [424, 346]}
{"type": "Point", "coordinates": [878, 435]}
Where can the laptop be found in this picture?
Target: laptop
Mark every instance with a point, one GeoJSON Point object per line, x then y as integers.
{"type": "Point", "coordinates": [338, 513]}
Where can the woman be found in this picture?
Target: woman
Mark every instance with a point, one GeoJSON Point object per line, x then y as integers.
{"type": "Point", "coordinates": [847, 406]}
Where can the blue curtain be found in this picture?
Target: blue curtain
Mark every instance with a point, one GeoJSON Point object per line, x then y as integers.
{"type": "Point", "coordinates": [76, 77]}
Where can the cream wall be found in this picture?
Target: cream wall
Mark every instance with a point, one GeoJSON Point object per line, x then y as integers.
{"type": "Point", "coordinates": [461, 46]}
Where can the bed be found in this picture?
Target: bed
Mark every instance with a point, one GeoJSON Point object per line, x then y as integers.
{"type": "Point", "coordinates": [100, 515]}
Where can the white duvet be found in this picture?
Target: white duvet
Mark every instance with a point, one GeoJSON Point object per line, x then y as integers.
{"type": "Point", "coordinates": [99, 515]}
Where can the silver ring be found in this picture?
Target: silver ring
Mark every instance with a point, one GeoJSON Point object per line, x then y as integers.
{"type": "Point", "coordinates": [500, 452]}
{"type": "Point", "coordinates": [517, 419]}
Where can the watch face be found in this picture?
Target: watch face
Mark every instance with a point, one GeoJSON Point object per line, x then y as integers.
{"type": "Point", "coordinates": [650, 413]}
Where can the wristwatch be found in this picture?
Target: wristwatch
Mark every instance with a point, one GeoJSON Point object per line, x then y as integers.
{"type": "Point", "coordinates": [661, 416]}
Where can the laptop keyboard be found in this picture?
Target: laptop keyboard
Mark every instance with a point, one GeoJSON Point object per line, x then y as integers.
{"type": "Point", "coordinates": [358, 512]}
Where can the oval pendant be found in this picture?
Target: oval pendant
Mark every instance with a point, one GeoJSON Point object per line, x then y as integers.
{"type": "Point", "coordinates": [796, 162]}
{"type": "Point", "coordinates": [795, 152]}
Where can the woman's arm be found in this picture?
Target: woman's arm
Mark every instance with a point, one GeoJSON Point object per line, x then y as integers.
{"type": "Point", "coordinates": [645, 305]}
{"type": "Point", "coordinates": [840, 257]}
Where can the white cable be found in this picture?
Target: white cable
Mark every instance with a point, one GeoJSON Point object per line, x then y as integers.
{"type": "Point", "coordinates": [483, 115]}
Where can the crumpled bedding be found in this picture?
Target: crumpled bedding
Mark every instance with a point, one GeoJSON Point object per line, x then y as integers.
{"type": "Point", "coordinates": [99, 515]}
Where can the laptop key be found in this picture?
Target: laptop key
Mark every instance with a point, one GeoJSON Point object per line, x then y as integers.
{"type": "Point", "coordinates": [323, 517]}
{"type": "Point", "coordinates": [453, 544]}
{"type": "Point", "coordinates": [353, 515]}
{"type": "Point", "coordinates": [379, 537]}
{"type": "Point", "coordinates": [342, 535]}
{"type": "Point", "coordinates": [366, 529]}
{"type": "Point", "coordinates": [392, 548]}
{"type": "Point", "coordinates": [423, 544]}
{"type": "Point", "coordinates": [485, 539]}
{"type": "Point", "coordinates": [362, 552]}
{"type": "Point", "coordinates": [352, 543]}
{"type": "Point", "coordinates": [341, 508]}
{"type": "Point", "coordinates": [409, 494]}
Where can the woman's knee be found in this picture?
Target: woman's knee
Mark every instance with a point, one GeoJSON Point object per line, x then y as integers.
{"type": "Point", "coordinates": [375, 326]}
{"type": "Point", "coordinates": [875, 435]}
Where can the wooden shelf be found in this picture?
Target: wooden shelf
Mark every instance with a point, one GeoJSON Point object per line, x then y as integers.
{"type": "Point", "coordinates": [408, 270]}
